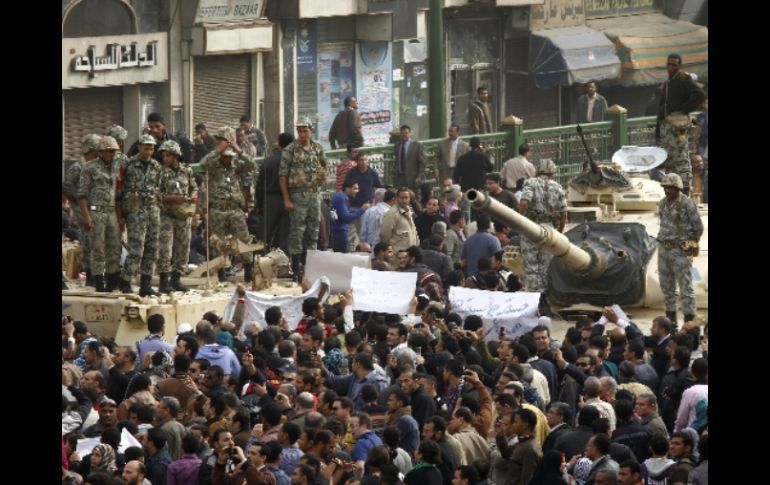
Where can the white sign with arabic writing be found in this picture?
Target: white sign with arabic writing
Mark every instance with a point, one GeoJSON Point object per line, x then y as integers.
{"type": "Point", "coordinates": [512, 312]}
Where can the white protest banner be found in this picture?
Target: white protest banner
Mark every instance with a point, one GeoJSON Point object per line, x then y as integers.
{"type": "Point", "coordinates": [127, 440]}
{"type": "Point", "coordinates": [86, 445]}
{"type": "Point", "coordinates": [382, 291]}
{"type": "Point", "coordinates": [513, 312]}
{"type": "Point", "coordinates": [291, 306]}
{"type": "Point", "coordinates": [335, 266]}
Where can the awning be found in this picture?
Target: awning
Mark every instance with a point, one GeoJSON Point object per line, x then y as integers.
{"type": "Point", "coordinates": [562, 57]}
{"type": "Point", "coordinates": [644, 41]}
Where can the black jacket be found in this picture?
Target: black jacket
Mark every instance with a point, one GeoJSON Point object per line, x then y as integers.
{"type": "Point", "coordinates": [680, 94]}
{"type": "Point", "coordinates": [423, 407]}
{"type": "Point", "coordinates": [574, 442]}
{"type": "Point", "coordinates": [635, 436]}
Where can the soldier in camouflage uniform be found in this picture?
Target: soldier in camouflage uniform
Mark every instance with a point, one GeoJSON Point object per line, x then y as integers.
{"type": "Point", "coordinates": [680, 95]}
{"type": "Point", "coordinates": [179, 194]}
{"type": "Point", "coordinates": [542, 201]}
{"type": "Point", "coordinates": [120, 134]}
{"type": "Point", "coordinates": [229, 189]}
{"type": "Point", "coordinates": [89, 148]}
{"type": "Point", "coordinates": [96, 196]}
{"type": "Point", "coordinates": [301, 176]}
{"type": "Point", "coordinates": [139, 198]}
{"type": "Point", "coordinates": [680, 230]}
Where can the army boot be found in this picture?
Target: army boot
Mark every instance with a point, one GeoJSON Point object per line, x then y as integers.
{"type": "Point", "coordinates": [543, 307]}
{"type": "Point", "coordinates": [164, 286]}
{"type": "Point", "coordinates": [113, 279]}
{"type": "Point", "coordinates": [145, 289]}
{"type": "Point", "coordinates": [688, 317]}
{"type": "Point", "coordinates": [124, 285]}
{"type": "Point", "coordinates": [176, 282]}
{"type": "Point", "coordinates": [221, 275]}
{"type": "Point", "coordinates": [99, 284]}
{"type": "Point", "coordinates": [89, 278]}
{"type": "Point", "coordinates": [64, 283]}
{"type": "Point", "coordinates": [672, 316]}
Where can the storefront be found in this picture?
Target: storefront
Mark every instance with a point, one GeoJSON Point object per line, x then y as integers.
{"type": "Point", "coordinates": [228, 40]}
{"type": "Point", "coordinates": [113, 72]}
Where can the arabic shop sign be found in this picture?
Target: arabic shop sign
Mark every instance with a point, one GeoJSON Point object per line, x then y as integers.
{"type": "Point", "coordinates": [114, 60]}
{"type": "Point", "coordinates": [223, 10]}
{"type": "Point", "coordinates": [609, 8]}
{"type": "Point", "coordinates": [557, 13]}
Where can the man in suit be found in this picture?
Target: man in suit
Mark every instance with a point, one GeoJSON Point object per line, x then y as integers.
{"type": "Point", "coordinates": [346, 127]}
{"type": "Point", "coordinates": [479, 115]}
{"type": "Point", "coordinates": [449, 150]}
{"type": "Point", "coordinates": [410, 160]}
{"type": "Point", "coordinates": [591, 106]}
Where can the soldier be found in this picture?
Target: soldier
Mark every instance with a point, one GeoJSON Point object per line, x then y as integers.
{"type": "Point", "coordinates": [680, 95]}
{"type": "Point", "coordinates": [301, 175]}
{"type": "Point", "coordinates": [179, 194]}
{"type": "Point", "coordinates": [680, 230]}
{"type": "Point", "coordinates": [120, 134]}
{"type": "Point", "coordinates": [89, 148]}
{"type": "Point", "coordinates": [139, 198]}
{"type": "Point", "coordinates": [229, 189]}
{"type": "Point", "coordinates": [542, 201]}
{"type": "Point", "coordinates": [96, 196]}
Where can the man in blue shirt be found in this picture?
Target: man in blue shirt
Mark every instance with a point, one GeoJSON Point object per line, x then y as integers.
{"type": "Point", "coordinates": [365, 438]}
{"type": "Point", "coordinates": [368, 180]}
{"type": "Point", "coordinates": [482, 243]}
{"type": "Point", "coordinates": [341, 205]}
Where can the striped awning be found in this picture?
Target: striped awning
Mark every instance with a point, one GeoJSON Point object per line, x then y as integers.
{"type": "Point", "coordinates": [644, 41]}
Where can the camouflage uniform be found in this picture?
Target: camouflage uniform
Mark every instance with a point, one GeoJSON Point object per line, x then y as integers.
{"type": "Point", "coordinates": [226, 202]}
{"type": "Point", "coordinates": [679, 222]}
{"type": "Point", "coordinates": [678, 150]}
{"type": "Point", "coordinates": [305, 170]}
{"type": "Point", "coordinates": [70, 188]}
{"type": "Point", "coordinates": [139, 196]}
{"type": "Point", "coordinates": [546, 202]}
{"type": "Point", "coordinates": [174, 239]}
{"type": "Point", "coordinates": [97, 185]}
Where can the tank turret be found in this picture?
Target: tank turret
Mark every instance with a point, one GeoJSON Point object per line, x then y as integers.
{"type": "Point", "coordinates": [595, 262]}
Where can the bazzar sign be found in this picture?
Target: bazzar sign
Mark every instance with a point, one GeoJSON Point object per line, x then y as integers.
{"type": "Point", "coordinates": [610, 8]}
{"type": "Point", "coordinates": [223, 10]}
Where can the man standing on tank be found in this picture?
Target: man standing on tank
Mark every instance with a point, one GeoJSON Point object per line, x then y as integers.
{"type": "Point", "coordinates": [680, 95]}
{"type": "Point", "coordinates": [680, 230]}
{"type": "Point", "coordinates": [139, 198]}
{"type": "Point", "coordinates": [96, 196]}
{"type": "Point", "coordinates": [229, 189]}
{"type": "Point", "coordinates": [543, 202]}
{"type": "Point", "coordinates": [301, 176]}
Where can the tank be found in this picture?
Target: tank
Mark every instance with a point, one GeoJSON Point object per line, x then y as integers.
{"type": "Point", "coordinates": [607, 253]}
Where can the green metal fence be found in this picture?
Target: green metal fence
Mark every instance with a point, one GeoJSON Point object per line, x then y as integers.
{"type": "Point", "coordinates": [561, 144]}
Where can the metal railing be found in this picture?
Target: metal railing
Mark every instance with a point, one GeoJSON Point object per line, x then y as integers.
{"type": "Point", "coordinates": [560, 143]}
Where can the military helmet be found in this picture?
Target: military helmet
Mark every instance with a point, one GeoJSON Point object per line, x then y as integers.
{"type": "Point", "coordinates": [546, 165]}
{"type": "Point", "coordinates": [147, 140]}
{"type": "Point", "coordinates": [117, 132]}
{"type": "Point", "coordinates": [229, 152]}
{"type": "Point", "coordinates": [672, 180]}
{"type": "Point", "coordinates": [171, 146]}
{"type": "Point", "coordinates": [226, 133]}
{"type": "Point", "coordinates": [303, 121]}
{"type": "Point", "coordinates": [108, 143]}
{"type": "Point", "coordinates": [90, 142]}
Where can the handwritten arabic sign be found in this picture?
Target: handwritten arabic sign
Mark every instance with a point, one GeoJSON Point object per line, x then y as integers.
{"type": "Point", "coordinates": [557, 13]}
{"type": "Point", "coordinates": [114, 60]}
{"type": "Point", "coordinates": [513, 312]}
{"type": "Point", "coordinates": [382, 291]}
{"type": "Point", "coordinates": [218, 10]}
{"type": "Point", "coordinates": [607, 8]}
{"type": "Point", "coordinates": [336, 266]}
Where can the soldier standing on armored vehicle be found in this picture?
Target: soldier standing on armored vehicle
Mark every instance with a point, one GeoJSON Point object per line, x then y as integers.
{"type": "Point", "coordinates": [229, 189]}
{"type": "Point", "coordinates": [89, 148]}
{"type": "Point", "coordinates": [139, 197]}
{"type": "Point", "coordinates": [179, 194]}
{"type": "Point", "coordinates": [542, 201]}
{"type": "Point", "coordinates": [680, 96]}
{"type": "Point", "coordinates": [301, 176]}
{"type": "Point", "coordinates": [680, 230]}
{"type": "Point", "coordinates": [96, 196]}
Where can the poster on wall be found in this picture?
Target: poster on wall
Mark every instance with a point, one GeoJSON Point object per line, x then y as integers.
{"type": "Point", "coordinates": [336, 81]}
{"type": "Point", "coordinates": [306, 41]}
{"type": "Point", "coordinates": [374, 72]}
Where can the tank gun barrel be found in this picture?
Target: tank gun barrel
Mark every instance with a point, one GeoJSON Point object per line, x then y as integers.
{"type": "Point", "coordinates": [549, 238]}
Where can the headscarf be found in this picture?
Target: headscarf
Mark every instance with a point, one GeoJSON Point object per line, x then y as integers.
{"type": "Point", "coordinates": [548, 472]}
{"type": "Point", "coordinates": [335, 361]}
{"type": "Point", "coordinates": [108, 459]}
